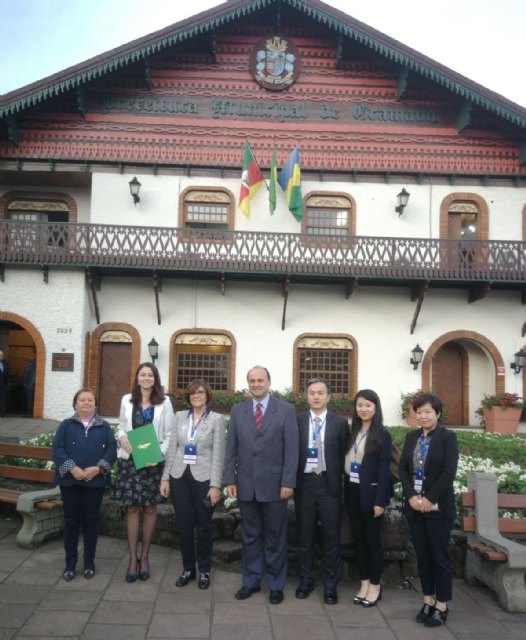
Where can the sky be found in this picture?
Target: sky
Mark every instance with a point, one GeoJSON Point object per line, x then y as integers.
{"type": "Point", "coordinates": [481, 39]}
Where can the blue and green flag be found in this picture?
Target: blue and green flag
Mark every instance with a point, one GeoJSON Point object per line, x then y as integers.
{"type": "Point", "coordinates": [289, 180]}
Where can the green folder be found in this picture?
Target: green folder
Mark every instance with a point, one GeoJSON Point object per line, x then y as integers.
{"type": "Point", "coordinates": [145, 446]}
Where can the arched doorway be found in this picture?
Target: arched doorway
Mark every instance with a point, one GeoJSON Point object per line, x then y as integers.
{"type": "Point", "coordinates": [22, 343]}
{"type": "Point", "coordinates": [450, 379]}
{"type": "Point", "coordinates": [461, 366]}
{"type": "Point", "coordinates": [114, 357]}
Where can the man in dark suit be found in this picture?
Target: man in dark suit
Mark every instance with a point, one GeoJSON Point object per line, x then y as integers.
{"type": "Point", "coordinates": [4, 379]}
{"type": "Point", "coordinates": [260, 471]}
{"type": "Point", "coordinates": [318, 497]}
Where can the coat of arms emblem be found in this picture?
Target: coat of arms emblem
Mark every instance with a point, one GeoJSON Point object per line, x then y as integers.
{"type": "Point", "coordinates": [275, 63]}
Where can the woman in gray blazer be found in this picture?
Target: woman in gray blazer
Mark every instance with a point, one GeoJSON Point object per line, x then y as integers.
{"type": "Point", "coordinates": [193, 476]}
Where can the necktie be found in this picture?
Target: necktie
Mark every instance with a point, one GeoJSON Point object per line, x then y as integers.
{"type": "Point", "coordinates": [258, 415]}
{"type": "Point", "coordinates": [319, 466]}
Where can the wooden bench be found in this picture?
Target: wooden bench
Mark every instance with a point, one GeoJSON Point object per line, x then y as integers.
{"type": "Point", "coordinates": [496, 547]}
{"type": "Point", "coordinates": [41, 511]}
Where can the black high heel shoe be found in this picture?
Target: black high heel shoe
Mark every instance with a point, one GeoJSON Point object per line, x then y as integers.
{"type": "Point", "coordinates": [358, 600]}
{"type": "Point", "coordinates": [372, 603]}
{"type": "Point", "coordinates": [132, 577]}
{"type": "Point", "coordinates": [144, 575]}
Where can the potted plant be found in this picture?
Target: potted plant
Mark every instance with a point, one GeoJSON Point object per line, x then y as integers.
{"type": "Point", "coordinates": [500, 412]}
{"type": "Point", "coordinates": [406, 407]}
{"type": "Point", "coordinates": [407, 411]}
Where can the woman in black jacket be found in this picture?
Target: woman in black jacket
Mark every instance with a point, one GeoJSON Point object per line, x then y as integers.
{"type": "Point", "coordinates": [368, 491]}
{"type": "Point", "coordinates": [84, 450]}
{"type": "Point", "coordinates": [428, 465]}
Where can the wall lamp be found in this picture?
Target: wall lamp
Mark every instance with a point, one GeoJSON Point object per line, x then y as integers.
{"type": "Point", "coordinates": [153, 348]}
{"type": "Point", "coordinates": [416, 356]}
{"type": "Point", "coordinates": [135, 187]}
{"type": "Point", "coordinates": [520, 361]}
{"type": "Point", "coordinates": [402, 199]}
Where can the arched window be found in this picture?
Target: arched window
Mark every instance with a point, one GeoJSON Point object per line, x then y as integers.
{"type": "Point", "coordinates": [329, 214]}
{"type": "Point", "coordinates": [207, 208]}
{"type": "Point", "coordinates": [208, 355]}
{"type": "Point", "coordinates": [332, 357]}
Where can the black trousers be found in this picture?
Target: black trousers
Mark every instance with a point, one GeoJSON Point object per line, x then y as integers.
{"type": "Point", "coordinates": [81, 509]}
{"type": "Point", "coordinates": [431, 541]}
{"type": "Point", "coordinates": [194, 520]}
{"type": "Point", "coordinates": [315, 503]}
{"type": "Point", "coordinates": [367, 532]}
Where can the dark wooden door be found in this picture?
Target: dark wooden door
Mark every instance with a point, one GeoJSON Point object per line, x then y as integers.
{"type": "Point", "coordinates": [448, 382]}
{"type": "Point", "coordinates": [115, 372]}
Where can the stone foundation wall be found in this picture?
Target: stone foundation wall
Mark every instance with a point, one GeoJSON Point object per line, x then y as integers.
{"type": "Point", "coordinates": [399, 567]}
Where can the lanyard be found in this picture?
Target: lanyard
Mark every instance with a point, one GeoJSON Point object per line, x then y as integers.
{"type": "Point", "coordinates": [191, 428]}
{"type": "Point", "coordinates": [357, 442]}
{"type": "Point", "coordinates": [315, 432]}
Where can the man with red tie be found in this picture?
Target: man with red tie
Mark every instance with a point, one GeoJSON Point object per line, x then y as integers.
{"type": "Point", "coordinates": [260, 471]}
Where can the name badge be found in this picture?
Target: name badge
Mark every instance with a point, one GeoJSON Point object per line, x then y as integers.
{"type": "Point", "coordinates": [419, 479]}
{"type": "Point", "coordinates": [312, 455]}
{"type": "Point", "coordinates": [190, 453]}
{"type": "Point", "coordinates": [355, 472]}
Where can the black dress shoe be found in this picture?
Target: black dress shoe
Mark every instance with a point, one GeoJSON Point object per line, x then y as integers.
{"type": "Point", "coordinates": [68, 575]}
{"type": "Point", "coordinates": [89, 573]}
{"type": "Point", "coordinates": [275, 597]}
{"type": "Point", "coordinates": [425, 612]}
{"type": "Point", "coordinates": [437, 618]}
{"type": "Point", "coordinates": [246, 592]}
{"type": "Point", "coordinates": [358, 599]}
{"type": "Point", "coordinates": [185, 578]}
{"type": "Point", "coordinates": [204, 581]}
{"type": "Point", "coordinates": [330, 596]}
{"type": "Point", "coordinates": [303, 590]}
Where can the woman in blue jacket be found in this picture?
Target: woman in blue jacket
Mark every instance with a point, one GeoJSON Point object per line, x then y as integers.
{"type": "Point", "coordinates": [84, 450]}
{"type": "Point", "coordinates": [368, 491]}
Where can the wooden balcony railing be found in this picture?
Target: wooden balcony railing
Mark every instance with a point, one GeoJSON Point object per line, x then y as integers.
{"type": "Point", "coordinates": [162, 248]}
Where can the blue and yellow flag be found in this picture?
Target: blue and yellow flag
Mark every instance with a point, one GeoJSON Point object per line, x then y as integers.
{"type": "Point", "coordinates": [289, 180]}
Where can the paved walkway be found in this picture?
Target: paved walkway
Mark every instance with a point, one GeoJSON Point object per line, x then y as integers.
{"type": "Point", "coordinates": [36, 603]}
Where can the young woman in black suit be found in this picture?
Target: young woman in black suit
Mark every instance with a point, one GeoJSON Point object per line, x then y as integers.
{"type": "Point", "coordinates": [428, 465]}
{"type": "Point", "coordinates": [368, 491]}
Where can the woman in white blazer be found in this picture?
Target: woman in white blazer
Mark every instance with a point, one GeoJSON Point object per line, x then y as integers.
{"type": "Point", "coordinates": [193, 475]}
{"type": "Point", "coordinates": [139, 488]}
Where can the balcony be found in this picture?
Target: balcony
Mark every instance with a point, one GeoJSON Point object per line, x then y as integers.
{"type": "Point", "coordinates": [247, 254]}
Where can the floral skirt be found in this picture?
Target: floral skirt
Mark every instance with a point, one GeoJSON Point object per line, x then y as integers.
{"type": "Point", "coordinates": [137, 486]}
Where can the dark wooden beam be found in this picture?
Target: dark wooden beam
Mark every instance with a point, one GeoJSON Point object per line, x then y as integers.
{"type": "Point", "coordinates": [45, 273]}
{"type": "Point", "coordinates": [285, 300]}
{"type": "Point", "coordinates": [94, 285]}
{"type": "Point", "coordinates": [223, 283]}
{"type": "Point", "coordinates": [81, 101]}
{"type": "Point", "coordinates": [401, 86]}
{"type": "Point", "coordinates": [350, 287]}
{"type": "Point", "coordinates": [2, 273]}
{"type": "Point", "coordinates": [418, 291]}
{"type": "Point", "coordinates": [464, 116]}
{"type": "Point", "coordinates": [157, 287]}
{"type": "Point", "coordinates": [13, 132]}
{"type": "Point", "coordinates": [479, 291]}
